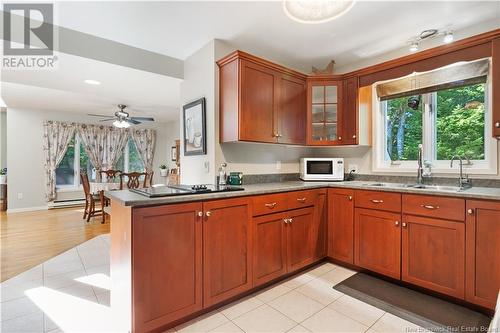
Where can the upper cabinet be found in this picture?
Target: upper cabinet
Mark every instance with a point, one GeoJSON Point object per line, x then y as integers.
{"type": "Point", "coordinates": [495, 50]}
{"type": "Point", "coordinates": [261, 101]}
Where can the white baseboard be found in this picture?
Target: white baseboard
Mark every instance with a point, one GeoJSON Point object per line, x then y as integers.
{"type": "Point", "coordinates": [26, 209]}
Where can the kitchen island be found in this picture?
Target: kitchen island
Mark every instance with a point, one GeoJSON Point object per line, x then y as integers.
{"type": "Point", "coordinates": [174, 258]}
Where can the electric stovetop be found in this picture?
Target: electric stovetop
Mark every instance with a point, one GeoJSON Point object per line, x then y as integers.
{"type": "Point", "coordinates": [172, 190]}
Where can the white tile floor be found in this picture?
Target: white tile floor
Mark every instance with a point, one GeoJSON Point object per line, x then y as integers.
{"type": "Point", "coordinates": [70, 293]}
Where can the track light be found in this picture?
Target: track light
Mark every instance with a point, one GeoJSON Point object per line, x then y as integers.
{"type": "Point", "coordinates": [414, 47]}
{"type": "Point", "coordinates": [448, 37]}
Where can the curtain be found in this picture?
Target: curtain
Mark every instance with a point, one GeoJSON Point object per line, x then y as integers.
{"type": "Point", "coordinates": [93, 138]}
{"type": "Point", "coordinates": [56, 138]}
{"type": "Point", "coordinates": [144, 140]}
{"type": "Point", "coordinates": [116, 139]}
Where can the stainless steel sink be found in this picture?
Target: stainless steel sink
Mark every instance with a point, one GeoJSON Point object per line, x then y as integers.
{"type": "Point", "coordinates": [418, 186]}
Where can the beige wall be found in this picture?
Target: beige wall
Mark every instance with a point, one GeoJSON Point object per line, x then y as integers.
{"type": "Point", "coordinates": [25, 155]}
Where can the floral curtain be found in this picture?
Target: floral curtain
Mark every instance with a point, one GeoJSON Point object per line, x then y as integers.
{"type": "Point", "coordinates": [56, 138]}
{"type": "Point", "coordinates": [144, 140]}
{"type": "Point", "coordinates": [116, 139]}
{"type": "Point", "coordinates": [93, 138]}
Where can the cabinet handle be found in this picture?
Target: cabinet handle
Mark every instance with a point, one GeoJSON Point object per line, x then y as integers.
{"type": "Point", "coordinates": [290, 220]}
{"type": "Point", "coordinates": [340, 138]}
{"type": "Point", "coordinates": [429, 207]}
{"type": "Point", "coordinates": [350, 197]}
{"type": "Point", "coordinates": [270, 205]}
{"type": "Point", "coordinates": [354, 136]}
{"type": "Point", "coordinates": [377, 201]}
{"type": "Point", "coordinates": [301, 199]}
{"type": "Point", "coordinates": [200, 214]}
{"type": "Point", "coordinates": [285, 220]}
{"type": "Point", "coordinates": [497, 124]}
{"type": "Point", "coordinates": [396, 223]}
{"type": "Point", "coordinates": [470, 211]}
{"type": "Point", "coordinates": [404, 224]}
{"type": "Point", "coordinates": [208, 214]}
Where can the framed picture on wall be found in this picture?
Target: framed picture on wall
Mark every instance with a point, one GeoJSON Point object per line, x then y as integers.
{"type": "Point", "coordinates": [173, 154]}
{"type": "Point", "coordinates": [195, 142]}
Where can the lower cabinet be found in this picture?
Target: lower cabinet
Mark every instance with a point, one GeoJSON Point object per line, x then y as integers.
{"type": "Point", "coordinates": [269, 247]}
{"type": "Point", "coordinates": [282, 243]}
{"type": "Point", "coordinates": [377, 241]}
{"type": "Point", "coordinates": [483, 252]}
{"type": "Point", "coordinates": [320, 226]}
{"type": "Point", "coordinates": [166, 264]}
{"type": "Point", "coordinates": [299, 236]}
{"type": "Point", "coordinates": [227, 249]}
{"type": "Point", "coordinates": [341, 225]}
{"type": "Point", "coordinates": [433, 254]}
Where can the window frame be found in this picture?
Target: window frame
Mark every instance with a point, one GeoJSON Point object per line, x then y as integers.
{"type": "Point", "coordinates": [488, 166]}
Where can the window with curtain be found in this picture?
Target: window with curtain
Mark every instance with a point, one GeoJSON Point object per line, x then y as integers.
{"type": "Point", "coordinates": [130, 160]}
{"type": "Point", "coordinates": [445, 110]}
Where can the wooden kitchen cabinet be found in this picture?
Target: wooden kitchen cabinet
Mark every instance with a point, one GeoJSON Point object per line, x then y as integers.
{"type": "Point", "coordinates": [320, 226]}
{"type": "Point", "coordinates": [269, 247]}
{"type": "Point", "coordinates": [299, 228]}
{"type": "Point", "coordinates": [349, 129]}
{"type": "Point", "coordinates": [227, 249]}
{"type": "Point", "coordinates": [341, 224]}
{"type": "Point", "coordinates": [433, 254]}
{"type": "Point", "coordinates": [482, 252]}
{"type": "Point", "coordinates": [166, 264]}
{"type": "Point", "coordinates": [260, 101]}
{"type": "Point", "coordinates": [495, 77]}
{"type": "Point", "coordinates": [324, 116]}
{"type": "Point", "coordinates": [377, 241]}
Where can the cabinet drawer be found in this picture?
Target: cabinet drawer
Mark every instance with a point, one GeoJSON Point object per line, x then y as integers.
{"type": "Point", "coordinates": [301, 199]}
{"type": "Point", "coordinates": [378, 200]}
{"type": "Point", "coordinates": [272, 203]}
{"type": "Point", "coordinates": [432, 206]}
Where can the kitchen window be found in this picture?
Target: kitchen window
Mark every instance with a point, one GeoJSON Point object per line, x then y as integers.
{"type": "Point", "coordinates": [447, 118]}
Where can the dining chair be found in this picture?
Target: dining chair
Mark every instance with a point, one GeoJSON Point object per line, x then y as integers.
{"type": "Point", "coordinates": [111, 175]}
{"type": "Point", "coordinates": [91, 200]}
{"type": "Point", "coordinates": [133, 179]}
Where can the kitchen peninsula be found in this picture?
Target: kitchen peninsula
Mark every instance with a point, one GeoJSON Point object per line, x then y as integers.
{"type": "Point", "coordinates": [174, 258]}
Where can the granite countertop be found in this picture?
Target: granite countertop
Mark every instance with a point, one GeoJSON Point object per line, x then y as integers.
{"type": "Point", "coordinates": [128, 198]}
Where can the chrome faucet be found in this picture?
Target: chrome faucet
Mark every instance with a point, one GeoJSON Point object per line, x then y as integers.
{"type": "Point", "coordinates": [463, 182]}
{"type": "Point", "coordinates": [420, 161]}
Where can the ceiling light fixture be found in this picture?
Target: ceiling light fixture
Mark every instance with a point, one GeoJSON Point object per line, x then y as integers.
{"type": "Point", "coordinates": [414, 47]}
{"type": "Point", "coordinates": [121, 124]}
{"type": "Point", "coordinates": [316, 11]}
{"type": "Point", "coordinates": [92, 82]}
{"type": "Point", "coordinates": [448, 37]}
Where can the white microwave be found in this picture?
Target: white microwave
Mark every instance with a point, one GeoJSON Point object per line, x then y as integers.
{"type": "Point", "coordinates": [326, 169]}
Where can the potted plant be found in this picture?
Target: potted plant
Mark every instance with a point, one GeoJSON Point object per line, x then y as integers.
{"type": "Point", "coordinates": [3, 176]}
{"type": "Point", "coordinates": [163, 170]}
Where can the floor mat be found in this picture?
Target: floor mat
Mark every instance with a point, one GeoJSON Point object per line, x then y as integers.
{"type": "Point", "coordinates": [427, 311]}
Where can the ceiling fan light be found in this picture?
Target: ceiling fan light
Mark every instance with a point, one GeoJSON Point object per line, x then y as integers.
{"type": "Point", "coordinates": [448, 37]}
{"type": "Point", "coordinates": [92, 82]}
{"type": "Point", "coordinates": [316, 11]}
{"type": "Point", "coordinates": [121, 124]}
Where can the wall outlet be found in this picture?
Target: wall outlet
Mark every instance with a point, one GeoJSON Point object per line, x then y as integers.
{"type": "Point", "coordinates": [207, 166]}
{"type": "Point", "coordinates": [19, 196]}
{"type": "Point", "coordinates": [352, 167]}
{"type": "Point", "coordinates": [278, 165]}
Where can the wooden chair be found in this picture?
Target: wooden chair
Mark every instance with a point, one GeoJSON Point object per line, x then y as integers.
{"type": "Point", "coordinates": [91, 200]}
{"type": "Point", "coordinates": [111, 175]}
{"type": "Point", "coordinates": [133, 179]}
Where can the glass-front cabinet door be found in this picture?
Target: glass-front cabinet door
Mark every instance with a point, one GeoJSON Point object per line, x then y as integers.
{"type": "Point", "coordinates": [324, 105]}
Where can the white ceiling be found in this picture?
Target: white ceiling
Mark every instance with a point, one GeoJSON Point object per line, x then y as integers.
{"type": "Point", "coordinates": [366, 34]}
{"type": "Point", "coordinates": [179, 28]}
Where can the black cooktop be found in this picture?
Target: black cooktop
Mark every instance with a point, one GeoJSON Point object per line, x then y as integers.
{"type": "Point", "coordinates": [172, 190]}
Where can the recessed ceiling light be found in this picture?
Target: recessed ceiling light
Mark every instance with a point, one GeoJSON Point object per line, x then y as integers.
{"type": "Point", "coordinates": [448, 37]}
{"type": "Point", "coordinates": [93, 82]}
{"type": "Point", "coordinates": [414, 47]}
{"type": "Point", "coordinates": [316, 11]}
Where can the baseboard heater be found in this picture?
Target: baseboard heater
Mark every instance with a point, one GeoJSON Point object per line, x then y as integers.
{"type": "Point", "coordinates": [66, 203]}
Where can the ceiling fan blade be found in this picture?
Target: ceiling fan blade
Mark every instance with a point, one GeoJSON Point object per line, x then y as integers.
{"type": "Point", "coordinates": [98, 115]}
{"type": "Point", "coordinates": [109, 119]}
{"type": "Point", "coordinates": [132, 121]}
{"type": "Point", "coordinates": [143, 118]}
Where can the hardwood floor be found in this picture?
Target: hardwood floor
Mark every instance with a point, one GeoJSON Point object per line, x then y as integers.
{"type": "Point", "coordinates": [28, 239]}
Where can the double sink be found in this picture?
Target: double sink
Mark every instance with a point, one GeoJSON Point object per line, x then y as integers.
{"type": "Point", "coordinates": [418, 186]}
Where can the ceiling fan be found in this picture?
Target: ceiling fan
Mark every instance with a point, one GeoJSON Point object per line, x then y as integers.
{"type": "Point", "coordinates": [122, 118]}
